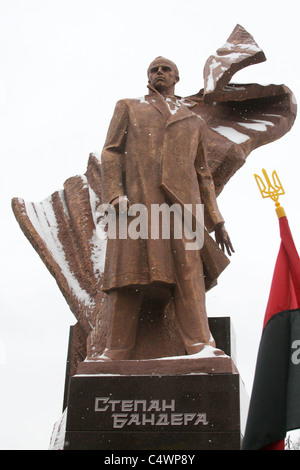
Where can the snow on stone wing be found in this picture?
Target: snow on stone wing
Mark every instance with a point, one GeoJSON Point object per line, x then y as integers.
{"type": "Point", "coordinates": [239, 51]}
{"type": "Point", "coordinates": [239, 117]}
{"type": "Point", "coordinates": [57, 441]}
{"type": "Point", "coordinates": [64, 231]}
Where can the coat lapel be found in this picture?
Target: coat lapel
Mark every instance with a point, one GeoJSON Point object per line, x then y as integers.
{"type": "Point", "coordinates": [156, 100]}
{"type": "Point", "coordinates": [183, 112]}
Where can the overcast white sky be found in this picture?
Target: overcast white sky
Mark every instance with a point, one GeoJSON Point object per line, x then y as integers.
{"type": "Point", "coordinates": [64, 64]}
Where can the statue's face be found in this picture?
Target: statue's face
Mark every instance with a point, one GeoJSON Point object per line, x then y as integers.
{"type": "Point", "coordinates": [162, 74]}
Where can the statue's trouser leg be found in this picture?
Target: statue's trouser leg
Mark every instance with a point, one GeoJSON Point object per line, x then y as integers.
{"type": "Point", "coordinates": [124, 308]}
{"type": "Point", "coordinates": [189, 298]}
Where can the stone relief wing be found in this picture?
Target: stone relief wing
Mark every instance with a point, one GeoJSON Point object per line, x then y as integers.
{"type": "Point", "coordinates": [239, 117]}
{"type": "Point", "coordinates": [64, 231]}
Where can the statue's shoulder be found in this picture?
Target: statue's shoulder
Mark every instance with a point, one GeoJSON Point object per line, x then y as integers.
{"type": "Point", "coordinates": [131, 102]}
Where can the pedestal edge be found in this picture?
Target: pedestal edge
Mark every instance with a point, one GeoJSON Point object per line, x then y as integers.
{"type": "Point", "coordinates": [164, 366]}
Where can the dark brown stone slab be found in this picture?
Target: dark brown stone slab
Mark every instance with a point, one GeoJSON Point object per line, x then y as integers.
{"type": "Point", "coordinates": [196, 411]}
{"type": "Point", "coordinates": [155, 441]}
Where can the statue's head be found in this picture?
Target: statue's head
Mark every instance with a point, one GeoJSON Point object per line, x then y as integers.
{"type": "Point", "coordinates": [163, 74]}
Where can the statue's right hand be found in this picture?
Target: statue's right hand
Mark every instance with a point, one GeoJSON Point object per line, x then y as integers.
{"type": "Point", "coordinates": [222, 239]}
{"type": "Point", "coordinates": [121, 204]}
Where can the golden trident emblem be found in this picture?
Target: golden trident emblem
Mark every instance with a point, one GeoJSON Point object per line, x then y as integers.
{"type": "Point", "coordinates": [272, 190]}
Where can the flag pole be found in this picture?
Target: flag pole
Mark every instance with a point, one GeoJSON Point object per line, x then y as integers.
{"type": "Point", "coordinates": [275, 402]}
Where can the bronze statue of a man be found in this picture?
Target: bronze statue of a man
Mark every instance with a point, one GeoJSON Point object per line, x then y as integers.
{"type": "Point", "coordinates": [155, 154]}
{"type": "Point", "coordinates": [158, 152]}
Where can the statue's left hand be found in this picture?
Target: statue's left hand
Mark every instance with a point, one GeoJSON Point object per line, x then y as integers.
{"type": "Point", "coordinates": [222, 239]}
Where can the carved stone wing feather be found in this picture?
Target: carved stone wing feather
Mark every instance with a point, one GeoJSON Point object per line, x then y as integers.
{"type": "Point", "coordinates": [239, 117]}
{"type": "Point", "coordinates": [64, 232]}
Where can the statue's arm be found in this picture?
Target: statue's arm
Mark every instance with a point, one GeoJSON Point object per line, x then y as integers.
{"type": "Point", "coordinates": [212, 215]}
{"type": "Point", "coordinates": [113, 153]}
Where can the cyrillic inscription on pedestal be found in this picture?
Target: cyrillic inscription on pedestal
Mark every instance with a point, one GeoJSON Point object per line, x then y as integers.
{"type": "Point", "coordinates": [152, 412]}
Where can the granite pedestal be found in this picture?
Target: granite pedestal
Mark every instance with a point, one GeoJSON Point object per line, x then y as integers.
{"type": "Point", "coordinates": [201, 408]}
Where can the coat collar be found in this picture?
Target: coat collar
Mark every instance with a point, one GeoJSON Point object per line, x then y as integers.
{"type": "Point", "coordinates": [160, 103]}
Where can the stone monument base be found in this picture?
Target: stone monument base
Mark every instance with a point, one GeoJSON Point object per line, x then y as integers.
{"type": "Point", "coordinates": [169, 412]}
{"type": "Point", "coordinates": [185, 403]}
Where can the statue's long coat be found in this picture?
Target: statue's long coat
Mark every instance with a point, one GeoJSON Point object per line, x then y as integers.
{"type": "Point", "coordinates": [154, 156]}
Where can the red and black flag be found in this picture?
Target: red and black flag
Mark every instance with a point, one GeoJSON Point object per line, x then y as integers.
{"type": "Point", "coordinates": [275, 400]}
